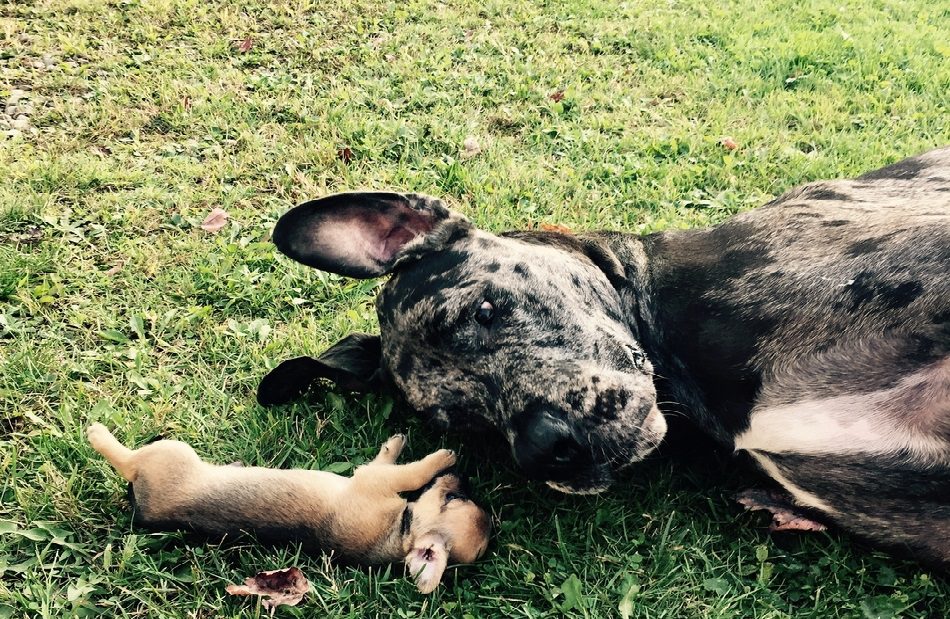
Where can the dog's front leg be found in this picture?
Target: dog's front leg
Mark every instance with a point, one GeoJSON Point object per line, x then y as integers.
{"type": "Point", "coordinates": [389, 452]}
{"type": "Point", "coordinates": [403, 477]}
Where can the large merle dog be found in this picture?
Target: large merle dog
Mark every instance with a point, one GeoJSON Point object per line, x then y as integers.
{"type": "Point", "coordinates": [813, 333]}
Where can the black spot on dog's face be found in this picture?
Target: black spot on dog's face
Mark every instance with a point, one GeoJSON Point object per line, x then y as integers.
{"type": "Point", "coordinates": [530, 339]}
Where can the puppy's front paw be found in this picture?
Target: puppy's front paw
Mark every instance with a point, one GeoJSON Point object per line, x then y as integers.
{"type": "Point", "coordinates": [393, 447]}
{"type": "Point", "coordinates": [395, 443]}
{"type": "Point", "coordinates": [96, 434]}
{"type": "Point", "coordinates": [442, 459]}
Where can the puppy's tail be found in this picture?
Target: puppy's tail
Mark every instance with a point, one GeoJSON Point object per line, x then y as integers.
{"type": "Point", "coordinates": [118, 455]}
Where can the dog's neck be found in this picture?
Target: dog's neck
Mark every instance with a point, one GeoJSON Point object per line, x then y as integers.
{"type": "Point", "coordinates": [629, 251]}
{"type": "Point", "coordinates": [392, 545]}
{"type": "Point", "coordinates": [670, 304]}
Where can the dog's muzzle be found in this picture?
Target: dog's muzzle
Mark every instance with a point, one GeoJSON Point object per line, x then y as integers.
{"type": "Point", "coordinates": [581, 461]}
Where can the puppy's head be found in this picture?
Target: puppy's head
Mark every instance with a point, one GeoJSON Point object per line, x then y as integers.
{"type": "Point", "coordinates": [443, 524]}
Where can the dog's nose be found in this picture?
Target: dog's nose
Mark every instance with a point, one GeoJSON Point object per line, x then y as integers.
{"type": "Point", "coordinates": [547, 448]}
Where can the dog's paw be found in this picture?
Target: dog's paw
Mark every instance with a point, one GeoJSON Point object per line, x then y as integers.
{"type": "Point", "coordinates": [394, 445]}
{"type": "Point", "coordinates": [96, 434]}
{"type": "Point", "coordinates": [442, 459]}
{"type": "Point", "coordinates": [397, 440]}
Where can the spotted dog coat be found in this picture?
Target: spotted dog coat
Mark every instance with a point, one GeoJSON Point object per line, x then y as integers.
{"type": "Point", "coordinates": [812, 333]}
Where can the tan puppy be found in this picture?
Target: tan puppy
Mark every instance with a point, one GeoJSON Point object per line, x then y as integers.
{"type": "Point", "coordinates": [360, 518]}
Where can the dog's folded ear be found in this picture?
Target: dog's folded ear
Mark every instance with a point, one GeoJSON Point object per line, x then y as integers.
{"type": "Point", "coordinates": [363, 234]}
{"type": "Point", "coordinates": [427, 561]}
{"type": "Point", "coordinates": [353, 364]}
{"type": "Point", "coordinates": [586, 245]}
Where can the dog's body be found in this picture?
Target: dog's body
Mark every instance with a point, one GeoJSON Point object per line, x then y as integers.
{"type": "Point", "coordinates": [812, 333]}
{"type": "Point", "coordinates": [360, 519]}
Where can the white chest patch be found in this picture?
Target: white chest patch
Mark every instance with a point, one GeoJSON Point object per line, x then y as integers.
{"type": "Point", "coordinates": [881, 422]}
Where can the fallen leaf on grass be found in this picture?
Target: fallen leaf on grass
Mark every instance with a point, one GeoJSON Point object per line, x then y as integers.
{"type": "Point", "coordinates": [470, 147]}
{"type": "Point", "coordinates": [729, 143]}
{"type": "Point", "coordinates": [345, 154]}
{"type": "Point", "coordinates": [556, 228]}
{"type": "Point", "coordinates": [556, 96]}
{"type": "Point", "coordinates": [215, 220]}
{"type": "Point", "coordinates": [31, 235]}
{"type": "Point", "coordinates": [283, 587]}
{"type": "Point", "coordinates": [245, 45]}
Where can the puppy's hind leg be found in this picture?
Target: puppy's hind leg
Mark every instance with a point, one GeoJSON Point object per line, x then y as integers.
{"type": "Point", "coordinates": [118, 455]}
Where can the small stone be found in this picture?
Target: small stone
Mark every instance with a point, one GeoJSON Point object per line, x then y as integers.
{"type": "Point", "coordinates": [38, 64]}
{"type": "Point", "coordinates": [470, 147]}
{"type": "Point", "coordinates": [12, 133]}
{"type": "Point", "coordinates": [13, 110]}
{"type": "Point", "coordinates": [4, 124]}
{"type": "Point", "coordinates": [22, 123]}
{"type": "Point", "coordinates": [15, 95]}
{"type": "Point", "coordinates": [25, 108]}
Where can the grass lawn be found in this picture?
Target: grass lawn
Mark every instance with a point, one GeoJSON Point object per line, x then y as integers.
{"type": "Point", "coordinates": [115, 306]}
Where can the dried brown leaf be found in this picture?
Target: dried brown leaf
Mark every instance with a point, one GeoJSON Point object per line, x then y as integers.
{"type": "Point", "coordinates": [345, 154]}
{"type": "Point", "coordinates": [556, 228]}
{"type": "Point", "coordinates": [215, 220]}
{"type": "Point", "coordinates": [245, 45]}
{"type": "Point", "coordinates": [728, 143]}
{"type": "Point", "coordinates": [283, 587]}
{"type": "Point", "coordinates": [556, 96]}
{"type": "Point", "coordinates": [31, 235]}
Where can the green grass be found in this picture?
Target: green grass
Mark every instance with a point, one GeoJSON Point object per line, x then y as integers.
{"type": "Point", "coordinates": [116, 307]}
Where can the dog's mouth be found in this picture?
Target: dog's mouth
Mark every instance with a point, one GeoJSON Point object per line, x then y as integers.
{"type": "Point", "coordinates": [595, 484]}
{"type": "Point", "coordinates": [596, 475]}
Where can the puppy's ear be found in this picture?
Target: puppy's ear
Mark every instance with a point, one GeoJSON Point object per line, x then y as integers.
{"type": "Point", "coordinates": [353, 364]}
{"type": "Point", "coordinates": [365, 235]}
{"type": "Point", "coordinates": [427, 560]}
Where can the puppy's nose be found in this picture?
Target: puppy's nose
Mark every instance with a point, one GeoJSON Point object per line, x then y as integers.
{"type": "Point", "coordinates": [547, 448]}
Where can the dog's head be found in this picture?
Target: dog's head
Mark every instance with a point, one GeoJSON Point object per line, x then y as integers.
{"type": "Point", "coordinates": [523, 331]}
{"type": "Point", "coordinates": [442, 524]}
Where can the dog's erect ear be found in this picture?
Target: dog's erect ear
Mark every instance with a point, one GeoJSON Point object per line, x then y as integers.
{"type": "Point", "coordinates": [353, 364]}
{"type": "Point", "coordinates": [365, 234]}
{"type": "Point", "coordinates": [427, 560]}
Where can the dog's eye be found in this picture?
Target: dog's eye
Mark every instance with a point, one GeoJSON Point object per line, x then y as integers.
{"type": "Point", "coordinates": [639, 358]}
{"type": "Point", "coordinates": [451, 496]}
{"type": "Point", "coordinates": [485, 313]}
